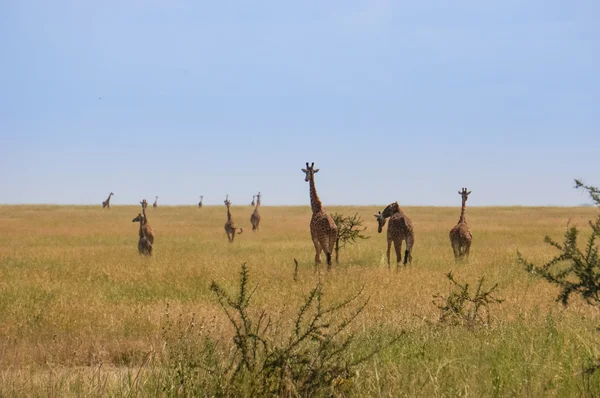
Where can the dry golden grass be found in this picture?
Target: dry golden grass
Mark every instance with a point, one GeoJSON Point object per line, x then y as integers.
{"type": "Point", "coordinates": [74, 294]}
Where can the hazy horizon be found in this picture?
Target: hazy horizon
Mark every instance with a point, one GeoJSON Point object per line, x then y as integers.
{"type": "Point", "coordinates": [403, 102]}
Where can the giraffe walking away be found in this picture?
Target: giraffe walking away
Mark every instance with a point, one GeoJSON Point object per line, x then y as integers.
{"type": "Point", "coordinates": [106, 203]}
{"type": "Point", "coordinates": [323, 230]}
{"type": "Point", "coordinates": [144, 243]}
{"type": "Point", "coordinates": [399, 229]}
{"type": "Point", "coordinates": [155, 204]}
{"type": "Point", "coordinates": [230, 228]}
{"type": "Point", "coordinates": [200, 203]}
{"type": "Point", "coordinates": [255, 217]}
{"type": "Point", "coordinates": [148, 232]}
{"type": "Point", "coordinates": [460, 235]}
{"type": "Point", "coordinates": [252, 203]}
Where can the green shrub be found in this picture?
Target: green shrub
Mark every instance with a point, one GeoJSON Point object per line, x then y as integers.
{"type": "Point", "coordinates": [462, 307]}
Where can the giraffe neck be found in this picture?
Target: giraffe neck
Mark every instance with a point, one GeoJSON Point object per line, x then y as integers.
{"type": "Point", "coordinates": [390, 211]}
{"type": "Point", "coordinates": [315, 202]}
{"type": "Point", "coordinates": [141, 229]}
{"type": "Point", "coordinates": [257, 201]}
{"type": "Point", "coordinates": [463, 210]}
{"type": "Point", "coordinates": [108, 199]}
{"type": "Point", "coordinates": [144, 213]}
{"type": "Point", "coordinates": [228, 214]}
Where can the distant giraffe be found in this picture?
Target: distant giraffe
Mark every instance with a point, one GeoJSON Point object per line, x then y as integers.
{"type": "Point", "coordinates": [106, 203]}
{"type": "Point", "coordinates": [255, 217]}
{"type": "Point", "coordinates": [144, 244]}
{"type": "Point", "coordinates": [460, 235]}
{"type": "Point", "coordinates": [252, 203]}
{"type": "Point", "coordinates": [323, 230]}
{"type": "Point", "coordinates": [200, 203]}
{"type": "Point", "coordinates": [399, 228]}
{"type": "Point", "coordinates": [230, 228]}
{"type": "Point", "coordinates": [148, 232]}
{"type": "Point", "coordinates": [155, 204]}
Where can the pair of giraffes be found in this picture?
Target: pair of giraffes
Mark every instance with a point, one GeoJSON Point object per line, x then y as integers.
{"type": "Point", "coordinates": [106, 203]}
{"type": "Point", "coordinates": [323, 230]}
{"type": "Point", "coordinates": [231, 229]}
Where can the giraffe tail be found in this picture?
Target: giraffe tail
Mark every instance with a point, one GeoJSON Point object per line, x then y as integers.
{"type": "Point", "coordinates": [241, 230]}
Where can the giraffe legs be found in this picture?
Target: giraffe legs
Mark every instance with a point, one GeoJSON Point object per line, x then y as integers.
{"type": "Point", "coordinates": [466, 249]}
{"type": "Point", "coordinates": [389, 248]}
{"type": "Point", "coordinates": [408, 253]}
{"type": "Point", "coordinates": [332, 238]}
{"type": "Point", "coordinates": [456, 249]}
{"type": "Point", "coordinates": [398, 248]}
{"type": "Point", "coordinates": [317, 252]}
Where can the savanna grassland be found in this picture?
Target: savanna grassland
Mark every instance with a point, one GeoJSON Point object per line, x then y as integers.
{"type": "Point", "coordinates": [83, 314]}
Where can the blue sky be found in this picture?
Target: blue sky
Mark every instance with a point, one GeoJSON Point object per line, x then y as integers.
{"type": "Point", "coordinates": [405, 101]}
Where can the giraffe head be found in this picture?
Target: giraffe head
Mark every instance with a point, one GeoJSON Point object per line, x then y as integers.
{"type": "Point", "coordinates": [464, 194]}
{"type": "Point", "coordinates": [387, 212]}
{"type": "Point", "coordinates": [144, 203]}
{"type": "Point", "coordinates": [310, 171]}
{"type": "Point", "coordinates": [227, 201]}
{"type": "Point", "coordinates": [380, 221]}
{"type": "Point", "coordinates": [138, 218]}
{"type": "Point", "coordinates": [111, 194]}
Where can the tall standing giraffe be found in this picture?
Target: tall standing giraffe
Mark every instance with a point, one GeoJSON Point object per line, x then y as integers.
{"type": "Point", "coordinates": [200, 203]}
{"type": "Point", "coordinates": [322, 227]}
{"type": "Point", "coordinates": [155, 204]}
{"type": "Point", "coordinates": [144, 244]}
{"type": "Point", "coordinates": [460, 235]}
{"type": "Point", "coordinates": [252, 203]}
{"type": "Point", "coordinates": [148, 232]}
{"type": "Point", "coordinates": [399, 228]}
{"type": "Point", "coordinates": [255, 217]}
{"type": "Point", "coordinates": [230, 228]}
{"type": "Point", "coordinates": [106, 203]}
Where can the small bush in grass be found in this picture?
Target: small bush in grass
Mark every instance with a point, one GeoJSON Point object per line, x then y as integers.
{"type": "Point", "coordinates": [349, 230]}
{"type": "Point", "coordinates": [314, 360]}
{"type": "Point", "coordinates": [463, 307]}
{"type": "Point", "coordinates": [573, 270]}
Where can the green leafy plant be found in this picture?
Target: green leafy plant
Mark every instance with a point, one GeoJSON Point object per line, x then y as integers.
{"type": "Point", "coordinates": [313, 361]}
{"type": "Point", "coordinates": [463, 307]}
{"type": "Point", "coordinates": [573, 270]}
{"type": "Point", "coordinates": [349, 230]}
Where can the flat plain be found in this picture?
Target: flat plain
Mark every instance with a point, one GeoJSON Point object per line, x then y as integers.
{"type": "Point", "coordinates": [83, 314]}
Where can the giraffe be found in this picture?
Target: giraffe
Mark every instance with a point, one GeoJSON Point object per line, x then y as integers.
{"type": "Point", "coordinates": [200, 203]}
{"type": "Point", "coordinates": [155, 204]}
{"type": "Point", "coordinates": [323, 230]}
{"type": "Point", "coordinates": [148, 232]}
{"type": "Point", "coordinates": [230, 228]}
{"type": "Point", "coordinates": [106, 203]}
{"type": "Point", "coordinates": [144, 244]}
{"type": "Point", "coordinates": [255, 217]}
{"type": "Point", "coordinates": [399, 228]}
{"type": "Point", "coordinates": [252, 203]}
{"type": "Point", "coordinates": [460, 235]}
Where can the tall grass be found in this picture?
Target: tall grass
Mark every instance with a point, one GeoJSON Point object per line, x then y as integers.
{"type": "Point", "coordinates": [82, 313]}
